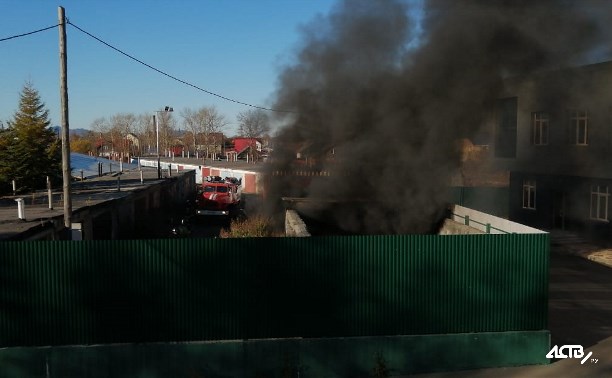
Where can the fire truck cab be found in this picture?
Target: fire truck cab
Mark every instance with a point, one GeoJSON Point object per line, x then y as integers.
{"type": "Point", "coordinates": [218, 196]}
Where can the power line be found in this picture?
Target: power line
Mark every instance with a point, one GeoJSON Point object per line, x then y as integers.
{"type": "Point", "coordinates": [174, 77]}
{"type": "Point", "coordinates": [26, 34]}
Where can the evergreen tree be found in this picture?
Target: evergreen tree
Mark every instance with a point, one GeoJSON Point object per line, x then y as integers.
{"type": "Point", "coordinates": [29, 150]}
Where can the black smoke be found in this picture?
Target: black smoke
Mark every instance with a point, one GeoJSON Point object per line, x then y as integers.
{"type": "Point", "coordinates": [379, 97]}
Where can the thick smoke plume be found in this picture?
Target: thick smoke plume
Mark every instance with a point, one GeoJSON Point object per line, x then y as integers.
{"type": "Point", "coordinates": [380, 96]}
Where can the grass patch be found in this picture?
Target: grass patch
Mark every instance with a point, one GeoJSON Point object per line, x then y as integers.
{"type": "Point", "coordinates": [253, 227]}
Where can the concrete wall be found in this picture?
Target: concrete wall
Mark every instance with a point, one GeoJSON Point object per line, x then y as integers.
{"type": "Point", "coordinates": [464, 221]}
{"type": "Point", "coordinates": [142, 214]}
{"type": "Point", "coordinates": [141, 211]}
{"type": "Point", "coordinates": [490, 223]}
{"type": "Point", "coordinates": [294, 225]}
{"type": "Point", "coordinates": [451, 227]}
{"type": "Point", "coordinates": [251, 181]}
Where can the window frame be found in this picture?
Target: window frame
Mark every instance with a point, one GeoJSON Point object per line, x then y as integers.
{"type": "Point", "coordinates": [596, 197]}
{"type": "Point", "coordinates": [540, 124]}
{"type": "Point", "coordinates": [579, 119]}
{"type": "Point", "coordinates": [529, 194]}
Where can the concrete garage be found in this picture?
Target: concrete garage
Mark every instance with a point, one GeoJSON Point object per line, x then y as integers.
{"type": "Point", "coordinates": [132, 205]}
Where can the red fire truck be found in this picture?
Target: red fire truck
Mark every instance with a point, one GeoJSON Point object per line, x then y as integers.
{"type": "Point", "coordinates": [218, 196]}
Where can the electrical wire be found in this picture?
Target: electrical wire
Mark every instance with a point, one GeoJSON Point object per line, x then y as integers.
{"type": "Point", "coordinates": [26, 34]}
{"type": "Point", "coordinates": [174, 77]}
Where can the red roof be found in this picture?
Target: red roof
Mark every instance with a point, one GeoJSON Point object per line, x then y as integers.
{"type": "Point", "coordinates": [241, 144]}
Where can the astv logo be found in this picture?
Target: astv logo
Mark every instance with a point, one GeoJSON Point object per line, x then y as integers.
{"type": "Point", "coordinates": [573, 351]}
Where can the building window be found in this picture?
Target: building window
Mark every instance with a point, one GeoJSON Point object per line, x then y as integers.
{"type": "Point", "coordinates": [579, 127]}
{"type": "Point", "coordinates": [529, 194]}
{"type": "Point", "coordinates": [539, 128]}
{"type": "Point", "coordinates": [599, 202]}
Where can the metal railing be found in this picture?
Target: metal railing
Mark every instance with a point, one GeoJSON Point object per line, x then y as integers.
{"type": "Point", "coordinates": [488, 227]}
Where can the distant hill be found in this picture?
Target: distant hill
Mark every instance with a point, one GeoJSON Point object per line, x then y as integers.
{"type": "Point", "coordinates": [79, 132]}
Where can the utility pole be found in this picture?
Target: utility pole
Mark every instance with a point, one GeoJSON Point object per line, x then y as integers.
{"type": "Point", "coordinates": [156, 122]}
{"type": "Point", "coordinates": [64, 115]}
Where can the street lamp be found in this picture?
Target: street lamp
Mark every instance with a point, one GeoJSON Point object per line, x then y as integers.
{"type": "Point", "coordinates": [156, 118]}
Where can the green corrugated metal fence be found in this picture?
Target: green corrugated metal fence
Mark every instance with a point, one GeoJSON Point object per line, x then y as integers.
{"type": "Point", "coordinates": [304, 358]}
{"type": "Point", "coordinates": [61, 293]}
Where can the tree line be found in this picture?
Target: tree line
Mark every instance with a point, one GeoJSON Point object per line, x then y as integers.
{"type": "Point", "coordinates": [195, 130]}
{"type": "Point", "coordinates": [30, 150]}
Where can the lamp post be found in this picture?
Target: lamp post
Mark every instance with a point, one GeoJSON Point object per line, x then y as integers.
{"type": "Point", "coordinates": [156, 117]}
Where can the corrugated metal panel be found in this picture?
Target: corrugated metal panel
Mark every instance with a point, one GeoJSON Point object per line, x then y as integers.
{"type": "Point", "coordinates": [56, 292]}
{"type": "Point", "coordinates": [330, 357]}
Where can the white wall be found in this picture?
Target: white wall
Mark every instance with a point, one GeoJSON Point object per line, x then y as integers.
{"type": "Point", "coordinates": [479, 220]}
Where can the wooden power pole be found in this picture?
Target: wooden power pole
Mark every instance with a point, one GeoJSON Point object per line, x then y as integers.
{"type": "Point", "coordinates": [67, 177]}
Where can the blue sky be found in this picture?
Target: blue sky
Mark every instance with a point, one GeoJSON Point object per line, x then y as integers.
{"type": "Point", "coordinates": [235, 48]}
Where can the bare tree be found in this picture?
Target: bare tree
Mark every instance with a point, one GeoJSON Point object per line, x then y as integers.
{"type": "Point", "coordinates": [122, 124]}
{"type": "Point", "coordinates": [188, 139]}
{"type": "Point", "coordinates": [144, 129]}
{"type": "Point", "coordinates": [215, 123]}
{"type": "Point", "coordinates": [204, 124]}
{"type": "Point", "coordinates": [100, 128]}
{"type": "Point", "coordinates": [167, 130]}
{"type": "Point", "coordinates": [192, 123]}
{"type": "Point", "coordinates": [99, 125]}
{"type": "Point", "coordinates": [253, 123]}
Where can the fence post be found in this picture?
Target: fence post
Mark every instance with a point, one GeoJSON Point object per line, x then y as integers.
{"type": "Point", "coordinates": [467, 220]}
{"type": "Point", "coordinates": [20, 208]}
{"type": "Point", "coordinates": [488, 228]}
{"type": "Point", "coordinates": [49, 194]}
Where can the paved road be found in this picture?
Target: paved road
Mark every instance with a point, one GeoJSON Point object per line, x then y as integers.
{"type": "Point", "coordinates": [580, 301]}
{"type": "Point", "coordinates": [210, 226]}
